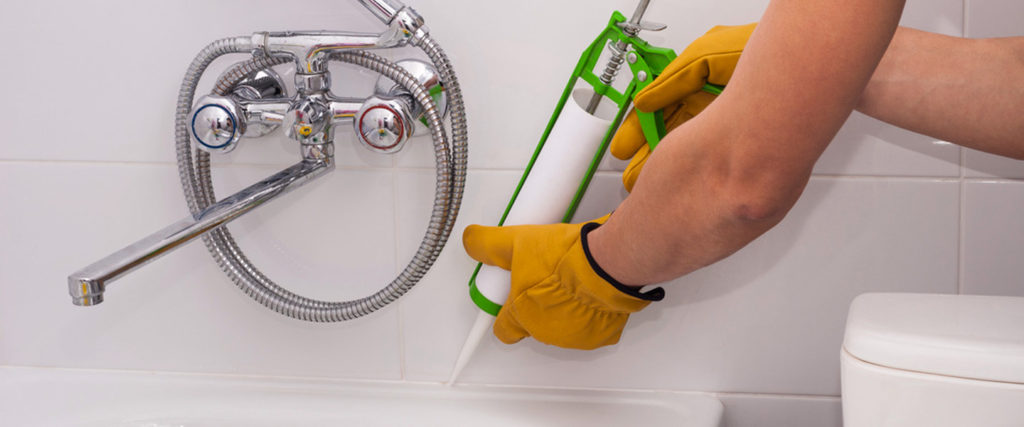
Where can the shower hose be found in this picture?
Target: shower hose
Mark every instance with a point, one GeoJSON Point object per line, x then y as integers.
{"type": "Point", "coordinates": [194, 171]}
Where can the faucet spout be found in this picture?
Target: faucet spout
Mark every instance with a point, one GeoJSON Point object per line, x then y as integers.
{"type": "Point", "coordinates": [87, 285]}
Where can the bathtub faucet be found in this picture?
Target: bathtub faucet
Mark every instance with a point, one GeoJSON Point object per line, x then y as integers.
{"type": "Point", "coordinates": [250, 100]}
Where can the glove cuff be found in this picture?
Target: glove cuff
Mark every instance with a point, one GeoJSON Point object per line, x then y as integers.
{"type": "Point", "coordinates": [656, 294]}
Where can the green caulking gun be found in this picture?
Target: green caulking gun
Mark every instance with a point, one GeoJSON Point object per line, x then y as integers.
{"type": "Point", "coordinates": [573, 143]}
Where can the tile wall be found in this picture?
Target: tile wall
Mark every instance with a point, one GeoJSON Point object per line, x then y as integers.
{"type": "Point", "coordinates": [887, 210]}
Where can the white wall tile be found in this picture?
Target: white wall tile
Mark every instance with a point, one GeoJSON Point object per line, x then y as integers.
{"type": "Point", "coordinates": [781, 411]}
{"type": "Point", "coordinates": [865, 146]}
{"type": "Point", "coordinates": [333, 239]}
{"type": "Point", "coordinates": [443, 295]}
{"type": "Point", "coordinates": [993, 18]}
{"type": "Point", "coordinates": [507, 110]}
{"type": "Point", "coordinates": [938, 16]}
{"type": "Point", "coordinates": [437, 313]}
{"type": "Point", "coordinates": [603, 196]}
{"type": "Point", "coordinates": [770, 318]}
{"type": "Point", "coordinates": [180, 313]}
{"type": "Point", "coordinates": [978, 164]}
{"type": "Point", "coordinates": [115, 100]}
{"type": "Point", "coordinates": [993, 238]}
{"type": "Point", "coordinates": [512, 78]}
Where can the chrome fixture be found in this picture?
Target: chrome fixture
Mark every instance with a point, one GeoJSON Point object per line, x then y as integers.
{"type": "Point", "coordinates": [386, 121]}
{"type": "Point", "coordinates": [249, 100]}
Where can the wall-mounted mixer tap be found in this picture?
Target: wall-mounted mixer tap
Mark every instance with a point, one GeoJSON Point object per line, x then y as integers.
{"type": "Point", "coordinates": [383, 122]}
{"type": "Point", "coordinates": [249, 100]}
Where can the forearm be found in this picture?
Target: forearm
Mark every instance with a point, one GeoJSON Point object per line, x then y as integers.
{"type": "Point", "coordinates": [684, 213]}
{"type": "Point", "coordinates": [717, 182]}
{"type": "Point", "coordinates": [965, 91]}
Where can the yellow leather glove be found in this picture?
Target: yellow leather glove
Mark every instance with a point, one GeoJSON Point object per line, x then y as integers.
{"type": "Point", "coordinates": [678, 90]}
{"type": "Point", "coordinates": [559, 294]}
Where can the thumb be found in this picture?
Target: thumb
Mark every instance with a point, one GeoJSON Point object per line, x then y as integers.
{"type": "Point", "coordinates": [678, 81]}
{"type": "Point", "coordinates": [507, 328]}
{"type": "Point", "coordinates": [490, 245]}
{"type": "Point", "coordinates": [632, 172]}
{"type": "Point", "coordinates": [629, 138]}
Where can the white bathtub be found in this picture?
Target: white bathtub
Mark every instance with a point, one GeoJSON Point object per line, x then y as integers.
{"type": "Point", "coordinates": [63, 397]}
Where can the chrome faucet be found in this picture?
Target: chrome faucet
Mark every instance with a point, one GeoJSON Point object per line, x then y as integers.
{"type": "Point", "coordinates": [250, 100]}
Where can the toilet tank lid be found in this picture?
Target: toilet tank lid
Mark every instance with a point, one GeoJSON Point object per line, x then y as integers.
{"type": "Point", "coordinates": [967, 336]}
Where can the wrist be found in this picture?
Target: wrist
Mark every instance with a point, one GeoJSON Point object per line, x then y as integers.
{"type": "Point", "coordinates": [606, 258]}
{"type": "Point", "coordinates": [637, 296]}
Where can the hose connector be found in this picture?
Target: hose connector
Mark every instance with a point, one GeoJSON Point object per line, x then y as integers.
{"type": "Point", "coordinates": [407, 26]}
{"type": "Point", "coordinates": [384, 10]}
{"type": "Point", "coordinates": [404, 22]}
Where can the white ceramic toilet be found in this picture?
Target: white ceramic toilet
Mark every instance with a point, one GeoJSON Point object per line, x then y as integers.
{"type": "Point", "coordinates": [933, 360]}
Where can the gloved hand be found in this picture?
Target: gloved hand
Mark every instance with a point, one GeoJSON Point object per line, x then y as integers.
{"type": "Point", "coordinates": [559, 294]}
{"type": "Point", "coordinates": [678, 90]}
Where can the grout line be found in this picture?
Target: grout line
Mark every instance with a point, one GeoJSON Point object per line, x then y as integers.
{"type": "Point", "coordinates": [88, 162]}
{"type": "Point", "coordinates": [884, 178]}
{"type": "Point", "coordinates": [950, 179]}
{"type": "Point", "coordinates": [401, 341]}
{"type": "Point", "coordinates": [919, 178]}
{"type": "Point", "coordinates": [961, 221]}
{"type": "Point", "coordinates": [777, 395]}
{"type": "Point", "coordinates": [961, 213]}
{"type": "Point", "coordinates": [993, 180]}
{"type": "Point", "coordinates": [401, 320]}
{"type": "Point", "coordinates": [215, 164]}
{"type": "Point", "coordinates": [963, 16]}
{"type": "Point", "coordinates": [196, 374]}
{"type": "Point", "coordinates": [961, 237]}
{"type": "Point", "coordinates": [649, 390]}
{"type": "Point", "coordinates": [315, 380]}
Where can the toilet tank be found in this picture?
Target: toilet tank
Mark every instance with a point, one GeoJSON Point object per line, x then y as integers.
{"type": "Point", "coordinates": [933, 360]}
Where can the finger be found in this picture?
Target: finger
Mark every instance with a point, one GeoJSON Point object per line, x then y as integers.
{"type": "Point", "coordinates": [507, 329]}
{"type": "Point", "coordinates": [632, 172]}
{"type": "Point", "coordinates": [681, 115]}
{"type": "Point", "coordinates": [711, 58]}
{"type": "Point", "coordinates": [673, 85]}
{"type": "Point", "coordinates": [695, 104]}
{"type": "Point", "coordinates": [490, 245]}
{"type": "Point", "coordinates": [630, 135]}
{"type": "Point", "coordinates": [628, 138]}
{"type": "Point", "coordinates": [676, 120]}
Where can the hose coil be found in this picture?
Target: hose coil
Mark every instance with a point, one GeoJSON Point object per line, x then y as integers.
{"type": "Point", "coordinates": [194, 172]}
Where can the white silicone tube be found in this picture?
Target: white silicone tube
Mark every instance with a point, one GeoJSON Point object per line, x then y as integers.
{"type": "Point", "coordinates": [544, 197]}
{"type": "Point", "coordinates": [553, 180]}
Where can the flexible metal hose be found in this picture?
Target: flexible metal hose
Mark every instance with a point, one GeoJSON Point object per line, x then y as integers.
{"type": "Point", "coordinates": [198, 188]}
{"type": "Point", "coordinates": [460, 130]}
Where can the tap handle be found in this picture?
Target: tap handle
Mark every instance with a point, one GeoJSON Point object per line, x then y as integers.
{"type": "Point", "coordinates": [383, 124]}
{"type": "Point", "coordinates": [217, 124]}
